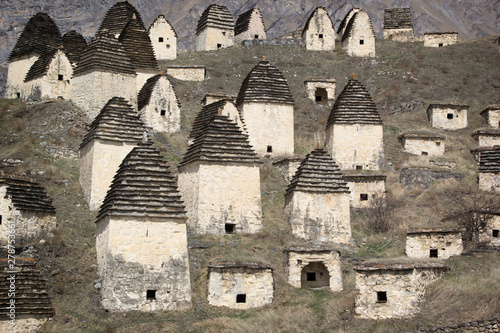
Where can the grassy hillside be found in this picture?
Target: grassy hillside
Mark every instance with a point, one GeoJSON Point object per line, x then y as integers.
{"type": "Point", "coordinates": [403, 80]}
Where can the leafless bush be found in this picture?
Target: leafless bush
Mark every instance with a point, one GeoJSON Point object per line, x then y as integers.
{"type": "Point", "coordinates": [381, 211]}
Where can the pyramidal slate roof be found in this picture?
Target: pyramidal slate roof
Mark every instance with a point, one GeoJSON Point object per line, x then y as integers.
{"type": "Point", "coordinates": [144, 95]}
{"type": "Point", "coordinates": [31, 296]}
{"type": "Point", "coordinates": [26, 194]}
{"type": "Point", "coordinates": [244, 20]}
{"type": "Point", "coordinates": [105, 53]}
{"type": "Point", "coordinates": [354, 105]}
{"type": "Point", "coordinates": [346, 20]}
{"type": "Point", "coordinates": [215, 16]}
{"type": "Point", "coordinates": [318, 172]}
{"type": "Point", "coordinates": [74, 44]}
{"type": "Point", "coordinates": [117, 18]}
{"type": "Point", "coordinates": [117, 121]}
{"type": "Point", "coordinates": [40, 35]}
{"type": "Point", "coordinates": [397, 18]}
{"type": "Point", "coordinates": [136, 42]}
{"type": "Point", "coordinates": [206, 115]}
{"type": "Point", "coordinates": [40, 66]}
{"type": "Point", "coordinates": [143, 187]}
{"type": "Point", "coordinates": [352, 21]}
{"type": "Point", "coordinates": [265, 83]}
{"type": "Point", "coordinates": [317, 11]}
{"type": "Point", "coordinates": [220, 140]}
{"type": "Point", "coordinates": [489, 160]}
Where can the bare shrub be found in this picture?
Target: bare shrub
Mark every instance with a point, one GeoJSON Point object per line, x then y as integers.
{"type": "Point", "coordinates": [381, 211]}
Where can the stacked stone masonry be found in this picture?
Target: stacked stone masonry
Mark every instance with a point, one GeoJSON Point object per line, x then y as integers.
{"type": "Point", "coordinates": [489, 169]}
{"type": "Point", "coordinates": [358, 39]}
{"type": "Point", "coordinates": [447, 116]}
{"type": "Point", "coordinates": [240, 285]}
{"type": "Point", "coordinates": [488, 137]}
{"type": "Point", "coordinates": [215, 29]}
{"type": "Point", "coordinates": [439, 39]}
{"type": "Point", "coordinates": [423, 143]}
{"type": "Point", "coordinates": [249, 26]}
{"type": "Point", "coordinates": [439, 243]}
{"type": "Point", "coordinates": [492, 115]}
{"type": "Point", "coordinates": [163, 38]}
{"type": "Point", "coordinates": [318, 33]}
{"type": "Point", "coordinates": [398, 25]}
{"type": "Point", "coordinates": [491, 326]}
{"type": "Point", "coordinates": [491, 234]}
{"type": "Point", "coordinates": [322, 91]}
{"type": "Point", "coordinates": [117, 18]}
{"type": "Point", "coordinates": [365, 188]}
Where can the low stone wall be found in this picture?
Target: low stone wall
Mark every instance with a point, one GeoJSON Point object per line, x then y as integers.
{"type": "Point", "coordinates": [192, 73]}
{"type": "Point", "coordinates": [491, 325]}
{"type": "Point", "coordinates": [440, 39]}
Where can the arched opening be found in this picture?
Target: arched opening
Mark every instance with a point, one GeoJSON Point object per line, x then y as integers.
{"type": "Point", "coordinates": [321, 96]}
{"type": "Point", "coordinates": [314, 275]}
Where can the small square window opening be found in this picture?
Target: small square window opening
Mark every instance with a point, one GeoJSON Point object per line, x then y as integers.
{"type": "Point", "coordinates": [163, 112]}
{"type": "Point", "coordinates": [230, 228]}
{"type": "Point", "coordinates": [381, 297]}
{"type": "Point", "coordinates": [241, 298]}
{"type": "Point", "coordinates": [60, 77]}
{"type": "Point", "coordinates": [438, 144]}
{"type": "Point", "coordinates": [160, 39]}
{"type": "Point", "coordinates": [320, 35]}
{"type": "Point", "coordinates": [363, 197]}
{"type": "Point", "coordinates": [361, 41]}
{"type": "Point", "coordinates": [433, 253]}
{"type": "Point", "coordinates": [440, 44]}
{"type": "Point", "coordinates": [359, 167]}
{"type": "Point", "coordinates": [449, 116]}
{"type": "Point", "coordinates": [256, 36]}
{"type": "Point", "coordinates": [219, 46]}
{"type": "Point", "coordinates": [269, 149]}
{"type": "Point", "coordinates": [425, 153]}
{"type": "Point", "coordinates": [495, 233]}
{"type": "Point", "coordinates": [151, 294]}
{"type": "Point", "coordinates": [311, 276]}
{"type": "Point", "coordinates": [319, 98]}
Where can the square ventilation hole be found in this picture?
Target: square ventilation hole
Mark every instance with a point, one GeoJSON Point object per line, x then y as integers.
{"type": "Point", "coordinates": [160, 39]}
{"type": "Point", "coordinates": [311, 276]}
{"type": "Point", "coordinates": [440, 44]}
{"type": "Point", "coordinates": [361, 41]}
{"type": "Point", "coordinates": [495, 233]}
{"type": "Point", "coordinates": [359, 167]}
{"type": "Point", "coordinates": [363, 197]}
{"type": "Point", "coordinates": [256, 36]}
{"type": "Point", "coordinates": [230, 228]}
{"type": "Point", "coordinates": [425, 153]}
{"type": "Point", "coordinates": [381, 296]}
{"type": "Point", "coordinates": [269, 149]}
{"type": "Point", "coordinates": [18, 95]}
{"type": "Point", "coordinates": [241, 298]}
{"type": "Point", "coordinates": [438, 144]}
{"type": "Point", "coordinates": [60, 77]}
{"type": "Point", "coordinates": [433, 253]}
{"type": "Point", "coordinates": [449, 116]}
{"type": "Point", "coordinates": [1, 220]}
{"type": "Point", "coordinates": [219, 46]}
{"type": "Point", "coordinates": [320, 36]}
{"type": "Point", "coordinates": [163, 112]}
{"type": "Point", "coordinates": [151, 294]}
{"type": "Point", "coordinates": [319, 98]}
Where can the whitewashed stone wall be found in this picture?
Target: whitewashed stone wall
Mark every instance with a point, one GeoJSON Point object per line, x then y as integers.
{"type": "Point", "coordinates": [29, 223]}
{"type": "Point", "coordinates": [440, 39]}
{"type": "Point", "coordinates": [99, 161]}
{"type": "Point", "coordinates": [49, 86]}
{"type": "Point", "coordinates": [494, 118]}
{"type": "Point", "coordinates": [296, 263]}
{"type": "Point", "coordinates": [92, 90]}
{"type": "Point", "coordinates": [361, 42]}
{"type": "Point", "coordinates": [491, 235]}
{"type": "Point", "coordinates": [319, 217]}
{"type": "Point", "coordinates": [17, 70]}
{"type": "Point", "coordinates": [356, 145]}
{"type": "Point", "coordinates": [256, 30]}
{"type": "Point", "coordinates": [212, 98]}
{"type": "Point", "coordinates": [489, 182]}
{"type": "Point", "coordinates": [405, 290]}
{"type": "Point", "coordinates": [163, 38]}
{"type": "Point", "coordinates": [135, 255]}
{"type": "Point", "coordinates": [320, 35]}
{"type": "Point", "coordinates": [163, 100]}
{"type": "Point", "coordinates": [269, 125]}
{"type": "Point", "coordinates": [22, 324]}
{"type": "Point", "coordinates": [448, 117]}
{"type": "Point", "coordinates": [485, 140]}
{"type": "Point", "coordinates": [418, 245]}
{"type": "Point", "coordinates": [421, 146]}
{"type": "Point", "coordinates": [313, 86]}
{"type": "Point", "coordinates": [224, 284]}
{"type": "Point", "coordinates": [214, 38]}
{"type": "Point", "coordinates": [399, 35]}
{"type": "Point", "coordinates": [364, 191]}
{"type": "Point", "coordinates": [187, 73]}
{"type": "Point", "coordinates": [142, 76]}
{"type": "Point", "coordinates": [220, 193]}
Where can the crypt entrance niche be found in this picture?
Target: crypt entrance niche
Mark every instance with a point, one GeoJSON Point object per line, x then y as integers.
{"type": "Point", "coordinates": [321, 96]}
{"type": "Point", "coordinates": [314, 275]}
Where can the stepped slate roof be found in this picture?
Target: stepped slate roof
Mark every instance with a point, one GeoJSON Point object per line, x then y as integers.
{"type": "Point", "coordinates": [397, 18]}
{"type": "Point", "coordinates": [31, 296]}
{"type": "Point", "coordinates": [399, 267]}
{"type": "Point", "coordinates": [26, 194]}
{"type": "Point", "coordinates": [104, 53]}
{"type": "Point", "coordinates": [143, 187]}
{"type": "Point", "coordinates": [494, 132]}
{"type": "Point", "coordinates": [136, 42]}
{"type": "Point", "coordinates": [206, 115]}
{"type": "Point", "coordinates": [220, 140]}
{"type": "Point", "coordinates": [317, 11]}
{"type": "Point", "coordinates": [117, 18]}
{"type": "Point", "coordinates": [489, 160]}
{"type": "Point", "coordinates": [354, 106]}
{"type": "Point", "coordinates": [264, 84]}
{"type": "Point", "coordinates": [433, 230]}
{"type": "Point", "coordinates": [40, 66]}
{"type": "Point", "coordinates": [161, 16]}
{"type": "Point", "coordinates": [145, 94]}
{"type": "Point", "coordinates": [40, 35]}
{"type": "Point", "coordinates": [346, 20]}
{"type": "Point", "coordinates": [350, 25]}
{"type": "Point", "coordinates": [74, 44]}
{"type": "Point", "coordinates": [215, 16]}
{"type": "Point", "coordinates": [244, 20]}
{"type": "Point", "coordinates": [117, 121]}
{"type": "Point", "coordinates": [318, 172]}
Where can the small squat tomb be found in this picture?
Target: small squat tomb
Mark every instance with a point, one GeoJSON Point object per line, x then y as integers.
{"type": "Point", "coordinates": [489, 170]}
{"type": "Point", "coordinates": [318, 33]}
{"type": "Point", "coordinates": [240, 285]}
{"type": "Point", "coordinates": [393, 290]}
{"type": "Point", "coordinates": [439, 39]}
{"type": "Point", "coordinates": [487, 137]}
{"type": "Point", "coordinates": [447, 116]}
{"type": "Point", "coordinates": [313, 267]}
{"type": "Point", "coordinates": [322, 91]}
{"type": "Point", "coordinates": [364, 188]}
{"type": "Point", "coordinates": [492, 115]}
{"type": "Point", "coordinates": [491, 234]}
{"type": "Point", "coordinates": [398, 25]}
{"type": "Point", "coordinates": [423, 143]}
{"type": "Point", "coordinates": [249, 26]}
{"type": "Point", "coordinates": [439, 243]}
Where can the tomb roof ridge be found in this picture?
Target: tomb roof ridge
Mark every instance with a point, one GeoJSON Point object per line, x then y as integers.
{"type": "Point", "coordinates": [215, 16]}
{"type": "Point", "coordinates": [489, 160]}
{"type": "Point", "coordinates": [486, 131]}
{"type": "Point", "coordinates": [146, 91]}
{"type": "Point", "coordinates": [74, 44]}
{"type": "Point", "coordinates": [117, 17]}
{"type": "Point", "coordinates": [41, 66]}
{"type": "Point", "coordinates": [350, 26]}
{"type": "Point", "coordinates": [168, 22]}
{"type": "Point", "coordinates": [137, 44]}
{"type": "Point", "coordinates": [243, 21]}
{"type": "Point", "coordinates": [399, 266]}
{"type": "Point", "coordinates": [27, 194]}
{"type": "Point", "coordinates": [206, 114]}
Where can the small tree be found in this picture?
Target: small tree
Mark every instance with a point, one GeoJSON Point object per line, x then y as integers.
{"type": "Point", "coordinates": [472, 209]}
{"type": "Point", "coordinates": [380, 212]}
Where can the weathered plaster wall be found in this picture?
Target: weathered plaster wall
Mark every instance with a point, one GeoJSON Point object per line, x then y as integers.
{"type": "Point", "coordinates": [255, 28]}
{"type": "Point", "coordinates": [494, 118]}
{"type": "Point", "coordinates": [433, 147]}
{"type": "Point", "coordinates": [99, 162]}
{"type": "Point", "coordinates": [136, 255]}
{"type": "Point", "coordinates": [187, 73]}
{"type": "Point", "coordinates": [312, 86]}
{"type": "Point", "coordinates": [489, 237]}
{"type": "Point", "coordinates": [92, 90]}
{"type": "Point", "coordinates": [371, 188]}
{"type": "Point", "coordinates": [163, 97]}
{"type": "Point", "coordinates": [320, 35]}
{"type": "Point", "coordinates": [319, 217]}
{"type": "Point", "coordinates": [221, 193]}
{"type": "Point", "coordinates": [16, 73]}
{"type": "Point", "coordinates": [447, 244]}
{"type": "Point", "coordinates": [166, 49]}
{"type": "Point", "coordinates": [400, 35]}
{"type": "Point", "coordinates": [225, 284]}
{"type": "Point", "coordinates": [356, 145]}
{"type": "Point", "coordinates": [214, 38]}
{"type": "Point", "coordinates": [488, 140]}
{"type": "Point", "coordinates": [437, 40]}
{"type": "Point", "coordinates": [361, 42]}
{"type": "Point", "coordinates": [405, 290]}
{"type": "Point", "coordinates": [269, 125]}
{"type": "Point", "coordinates": [489, 182]}
{"type": "Point", "coordinates": [23, 324]}
{"type": "Point", "coordinates": [439, 118]}
{"type": "Point", "coordinates": [296, 261]}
